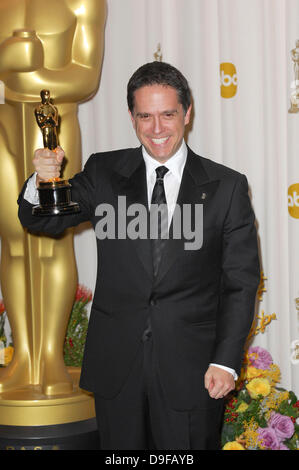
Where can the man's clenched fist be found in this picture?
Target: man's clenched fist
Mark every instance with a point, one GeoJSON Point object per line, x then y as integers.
{"type": "Point", "coordinates": [47, 163]}
{"type": "Point", "coordinates": [218, 382]}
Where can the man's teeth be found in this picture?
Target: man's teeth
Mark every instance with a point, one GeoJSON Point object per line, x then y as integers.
{"type": "Point", "coordinates": [160, 141]}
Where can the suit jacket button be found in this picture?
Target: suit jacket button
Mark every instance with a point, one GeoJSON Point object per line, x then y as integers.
{"type": "Point", "coordinates": [153, 302]}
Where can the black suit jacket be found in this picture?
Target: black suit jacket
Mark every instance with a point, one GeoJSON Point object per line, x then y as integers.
{"type": "Point", "coordinates": [201, 303]}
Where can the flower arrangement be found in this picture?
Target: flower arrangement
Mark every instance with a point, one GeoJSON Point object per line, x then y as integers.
{"type": "Point", "coordinates": [6, 350]}
{"type": "Point", "coordinates": [259, 415]}
{"type": "Point", "coordinates": [77, 328]}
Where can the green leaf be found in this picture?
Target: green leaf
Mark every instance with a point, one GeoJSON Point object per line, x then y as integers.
{"type": "Point", "coordinates": [76, 331]}
{"type": "Point", "coordinates": [292, 397]}
{"type": "Point", "coordinates": [228, 433]}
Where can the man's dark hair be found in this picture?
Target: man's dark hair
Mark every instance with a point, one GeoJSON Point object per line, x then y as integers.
{"type": "Point", "coordinates": [159, 73]}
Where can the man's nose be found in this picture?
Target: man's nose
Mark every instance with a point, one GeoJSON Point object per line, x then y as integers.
{"type": "Point", "coordinates": [157, 125]}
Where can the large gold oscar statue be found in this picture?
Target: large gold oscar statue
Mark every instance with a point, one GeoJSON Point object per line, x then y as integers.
{"type": "Point", "coordinates": [56, 45]}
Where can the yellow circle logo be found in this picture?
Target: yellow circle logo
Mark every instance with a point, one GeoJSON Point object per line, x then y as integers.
{"type": "Point", "coordinates": [293, 200]}
{"type": "Point", "coordinates": [228, 80]}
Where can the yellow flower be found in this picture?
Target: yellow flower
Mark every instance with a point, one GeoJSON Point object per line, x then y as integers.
{"type": "Point", "coordinates": [273, 401]}
{"type": "Point", "coordinates": [234, 445]}
{"type": "Point", "coordinates": [242, 407]}
{"type": "Point", "coordinates": [273, 374]}
{"type": "Point", "coordinates": [253, 372]}
{"type": "Point", "coordinates": [258, 387]}
{"type": "Point", "coordinates": [250, 434]}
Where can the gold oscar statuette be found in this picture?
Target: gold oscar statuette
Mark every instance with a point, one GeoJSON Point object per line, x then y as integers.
{"type": "Point", "coordinates": [56, 46]}
{"type": "Point", "coordinates": [158, 54]}
{"type": "Point", "coordinates": [55, 194]}
{"type": "Point", "coordinates": [295, 84]}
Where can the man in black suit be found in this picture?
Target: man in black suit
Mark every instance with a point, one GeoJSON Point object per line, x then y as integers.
{"type": "Point", "coordinates": [169, 319]}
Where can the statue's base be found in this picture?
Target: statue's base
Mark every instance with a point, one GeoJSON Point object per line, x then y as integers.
{"type": "Point", "coordinates": [82, 435]}
{"type": "Point", "coordinates": [71, 208]}
{"type": "Point", "coordinates": [29, 419]}
{"type": "Point", "coordinates": [55, 199]}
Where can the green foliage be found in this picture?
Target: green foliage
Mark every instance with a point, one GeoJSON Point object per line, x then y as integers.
{"type": "Point", "coordinates": [77, 329]}
{"type": "Point", "coordinates": [2, 324]}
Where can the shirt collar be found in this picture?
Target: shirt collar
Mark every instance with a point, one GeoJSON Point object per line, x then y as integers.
{"type": "Point", "coordinates": [175, 164]}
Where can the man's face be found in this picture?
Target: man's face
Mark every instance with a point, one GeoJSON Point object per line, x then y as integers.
{"type": "Point", "coordinates": [159, 120]}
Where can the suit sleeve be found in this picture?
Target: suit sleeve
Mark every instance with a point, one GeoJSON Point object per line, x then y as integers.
{"type": "Point", "coordinates": [83, 192]}
{"type": "Point", "coordinates": [240, 279]}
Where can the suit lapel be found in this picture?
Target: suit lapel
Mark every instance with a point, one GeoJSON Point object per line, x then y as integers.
{"type": "Point", "coordinates": [130, 181]}
{"type": "Point", "coordinates": [196, 188]}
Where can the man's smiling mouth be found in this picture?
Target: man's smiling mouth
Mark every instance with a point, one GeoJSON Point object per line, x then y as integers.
{"type": "Point", "coordinates": [161, 141]}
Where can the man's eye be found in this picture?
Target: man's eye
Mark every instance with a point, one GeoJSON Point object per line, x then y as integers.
{"type": "Point", "coordinates": [169, 115]}
{"type": "Point", "coordinates": [144, 116]}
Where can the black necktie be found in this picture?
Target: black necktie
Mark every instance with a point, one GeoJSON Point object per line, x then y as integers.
{"type": "Point", "coordinates": [160, 219]}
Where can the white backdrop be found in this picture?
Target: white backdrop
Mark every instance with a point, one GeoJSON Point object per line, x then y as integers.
{"type": "Point", "coordinates": [251, 131]}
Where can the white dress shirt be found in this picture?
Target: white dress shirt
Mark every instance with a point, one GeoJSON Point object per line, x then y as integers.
{"type": "Point", "coordinates": [172, 179]}
{"type": "Point", "coordinates": [172, 182]}
{"type": "Point", "coordinates": [31, 192]}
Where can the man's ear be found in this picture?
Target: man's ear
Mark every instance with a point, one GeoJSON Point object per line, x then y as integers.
{"type": "Point", "coordinates": [132, 119]}
{"type": "Point", "coordinates": [188, 115]}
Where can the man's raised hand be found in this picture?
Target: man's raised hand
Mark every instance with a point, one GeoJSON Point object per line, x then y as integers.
{"type": "Point", "coordinates": [47, 163]}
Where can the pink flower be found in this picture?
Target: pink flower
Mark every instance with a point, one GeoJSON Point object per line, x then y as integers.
{"type": "Point", "coordinates": [83, 294]}
{"type": "Point", "coordinates": [283, 447]}
{"type": "Point", "coordinates": [282, 425]}
{"type": "Point", "coordinates": [2, 307]}
{"type": "Point", "coordinates": [259, 357]}
{"type": "Point", "coordinates": [268, 438]}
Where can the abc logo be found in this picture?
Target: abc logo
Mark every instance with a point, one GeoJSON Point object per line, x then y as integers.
{"type": "Point", "coordinates": [228, 80]}
{"type": "Point", "coordinates": [293, 200]}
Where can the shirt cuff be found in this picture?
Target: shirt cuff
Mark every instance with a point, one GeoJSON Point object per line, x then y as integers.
{"type": "Point", "coordinates": [31, 192]}
{"type": "Point", "coordinates": [228, 369]}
